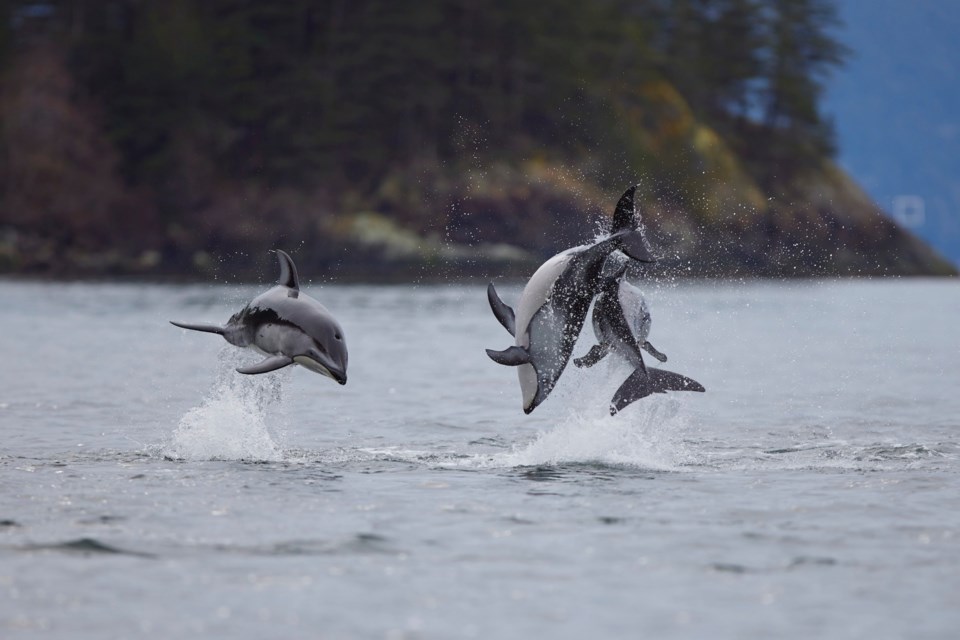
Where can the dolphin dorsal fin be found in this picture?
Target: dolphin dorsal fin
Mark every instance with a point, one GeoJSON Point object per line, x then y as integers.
{"type": "Point", "coordinates": [288, 273]}
{"type": "Point", "coordinates": [625, 216]}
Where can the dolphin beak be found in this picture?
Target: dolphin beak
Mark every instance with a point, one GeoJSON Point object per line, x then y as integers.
{"type": "Point", "coordinates": [339, 376]}
{"type": "Point", "coordinates": [336, 369]}
{"type": "Point", "coordinates": [335, 373]}
{"type": "Point", "coordinates": [323, 365]}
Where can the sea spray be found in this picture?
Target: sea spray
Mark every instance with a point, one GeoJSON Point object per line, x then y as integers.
{"type": "Point", "coordinates": [232, 421]}
{"type": "Point", "coordinates": [641, 437]}
{"type": "Point", "coordinates": [648, 434]}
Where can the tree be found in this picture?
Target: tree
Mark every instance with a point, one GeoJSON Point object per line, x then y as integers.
{"type": "Point", "coordinates": [802, 53]}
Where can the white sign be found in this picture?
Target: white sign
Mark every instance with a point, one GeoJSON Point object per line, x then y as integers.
{"type": "Point", "coordinates": [910, 211]}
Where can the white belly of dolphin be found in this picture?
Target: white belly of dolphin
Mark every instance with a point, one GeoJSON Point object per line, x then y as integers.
{"type": "Point", "coordinates": [535, 295]}
{"type": "Point", "coordinates": [635, 310]}
{"type": "Point", "coordinates": [536, 292]}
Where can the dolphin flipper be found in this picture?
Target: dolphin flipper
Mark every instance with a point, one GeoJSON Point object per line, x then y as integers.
{"type": "Point", "coordinates": [649, 348]}
{"type": "Point", "coordinates": [597, 353]}
{"type": "Point", "coordinates": [501, 310]}
{"type": "Point", "coordinates": [512, 357]}
{"type": "Point", "coordinates": [207, 328]}
{"type": "Point", "coordinates": [640, 385]}
{"type": "Point", "coordinates": [265, 366]}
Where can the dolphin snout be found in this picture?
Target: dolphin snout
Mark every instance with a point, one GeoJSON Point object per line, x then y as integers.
{"type": "Point", "coordinates": [333, 368]}
{"type": "Point", "coordinates": [339, 376]}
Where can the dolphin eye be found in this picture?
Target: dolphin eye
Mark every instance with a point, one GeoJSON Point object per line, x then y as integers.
{"type": "Point", "coordinates": [337, 336]}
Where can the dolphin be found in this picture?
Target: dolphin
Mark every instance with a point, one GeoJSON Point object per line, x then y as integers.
{"type": "Point", "coordinates": [621, 322]}
{"type": "Point", "coordinates": [554, 304]}
{"type": "Point", "coordinates": [288, 326]}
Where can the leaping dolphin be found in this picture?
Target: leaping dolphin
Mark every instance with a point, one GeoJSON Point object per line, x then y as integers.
{"type": "Point", "coordinates": [555, 301]}
{"type": "Point", "coordinates": [288, 326]}
{"type": "Point", "coordinates": [621, 322]}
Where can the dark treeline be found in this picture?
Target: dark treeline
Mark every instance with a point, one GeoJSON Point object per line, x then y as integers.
{"type": "Point", "coordinates": [163, 123]}
{"type": "Point", "coordinates": [284, 90]}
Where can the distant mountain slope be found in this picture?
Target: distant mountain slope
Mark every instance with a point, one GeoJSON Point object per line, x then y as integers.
{"type": "Point", "coordinates": [724, 225]}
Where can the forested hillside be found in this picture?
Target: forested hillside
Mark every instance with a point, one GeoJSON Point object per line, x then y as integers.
{"type": "Point", "coordinates": [432, 139]}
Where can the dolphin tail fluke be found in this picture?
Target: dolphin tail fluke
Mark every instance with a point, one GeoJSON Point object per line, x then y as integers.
{"type": "Point", "coordinates": [207, 328]}
{"type": "Point", "coordinates": [512, 357]}
{"type": "Point", "coordinates": [501, 310]}
{"type": "Point", "coordinates": [669, 381]}
{"type": "Point", "coordinates": [266, 366]}
{"type": "Point", "coordinates": [640, 385]}
{"type": "Point", "coordinates": [625, 216]}
{"type": "Point", "coordinates": [627, 225]}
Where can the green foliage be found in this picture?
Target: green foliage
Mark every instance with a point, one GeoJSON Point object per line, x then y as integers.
{"type": "Point", "coordinates": [285, 92]}
{"type": "Point", "coordinates": [202, 100]}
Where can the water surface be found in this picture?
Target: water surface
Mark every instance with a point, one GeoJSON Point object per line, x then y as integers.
{"type": "Point", "coordinates": [147, 490]}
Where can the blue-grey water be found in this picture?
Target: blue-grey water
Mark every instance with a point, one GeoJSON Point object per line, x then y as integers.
{"type": "Point", "coordinates": [147, 490]}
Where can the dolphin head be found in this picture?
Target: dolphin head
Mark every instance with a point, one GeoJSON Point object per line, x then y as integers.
{"type": "Point", "coordinates": [322, 349]}
{"type": "Point", "coordinates": [326, 355]}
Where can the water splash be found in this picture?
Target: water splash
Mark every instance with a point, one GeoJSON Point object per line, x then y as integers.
{"type": "Point", "coordinates": [648, 434]}
{"type": "Point", "coordinates": [644, 436]}
{"type": "Point", "coordinates": [232, 421]}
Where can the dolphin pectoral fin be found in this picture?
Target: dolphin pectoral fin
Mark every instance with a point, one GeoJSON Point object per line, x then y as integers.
{"type": "Point", "coordinates": [265, 366]}
{"type": "Point", "coordinates": [502, 312]}
{"type": "Point", "coordinates": [640, 385]}
{"type": "Point", "coordinates": [207, 328]}
{"type": "Point", "coordinates": [649, 348]}
{"type": "Point", "coordinates": [512, 357]}
{"type": "Point", "coordinates": [596, 354]}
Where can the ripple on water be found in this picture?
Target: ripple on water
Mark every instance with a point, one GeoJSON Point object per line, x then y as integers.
{"type": "Point", "coordinates": [84, 547]}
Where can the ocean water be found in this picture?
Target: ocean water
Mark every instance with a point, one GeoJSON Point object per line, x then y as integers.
{"type": "Point", "coordinates": [147, 490]}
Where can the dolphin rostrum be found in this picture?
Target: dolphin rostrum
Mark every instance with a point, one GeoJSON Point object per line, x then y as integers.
{"type": "Point", "coordinates": [288, 326]}
{"type": "Point", "coordinates": [555, 302]}
{"type": "Point", "coordinates": [621, 322]}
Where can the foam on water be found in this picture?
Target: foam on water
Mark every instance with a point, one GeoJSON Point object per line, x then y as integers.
{"type": "Point", "coordinates": [234, 420]}
{"type": "Point", "coordinates": [643, 436]}
{"type": "Point", "coordinates": [647, 434]}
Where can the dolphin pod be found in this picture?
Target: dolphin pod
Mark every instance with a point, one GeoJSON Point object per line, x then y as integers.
{"type": "Point", "coordinates": [553, 307]}
{"type": "Point", "coordinates": [288, 327]}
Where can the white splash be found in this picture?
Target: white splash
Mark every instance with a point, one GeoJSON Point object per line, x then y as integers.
{"type": "Point", "coordinates": [648, 434]}
{"type": "Point", "coordinates": [232, 421]}
{"type": "Point", "coordinates": [640, 436]}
